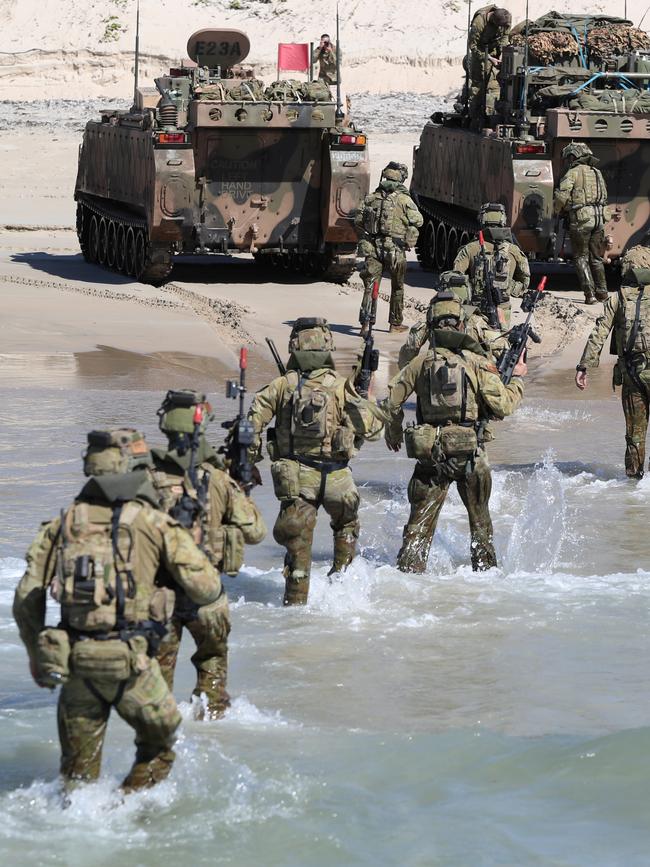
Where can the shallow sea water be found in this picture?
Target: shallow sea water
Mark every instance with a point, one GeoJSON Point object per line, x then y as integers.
{"type": "Point", "coordinates": [443, 719]}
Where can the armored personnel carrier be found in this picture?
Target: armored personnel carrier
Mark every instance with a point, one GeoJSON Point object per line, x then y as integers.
{"type": "Point", "coordinates": [572, 79]}
{"type": "Point", "coordinates": [210, 161]}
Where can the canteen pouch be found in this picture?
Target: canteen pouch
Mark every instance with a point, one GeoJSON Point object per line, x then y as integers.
{"type": "Point", "coordinates": [419, 440]}
{"type": "Point", "coordinates": [457, 441]}
{"type": "Point", "coordinates": [233, 549]}
{"type": "Point", "coordinates": [286, 479]}
{"type": "Point", "coordinates": [53, 656]}
{"type": "Point", "coordinates": [108, 661]}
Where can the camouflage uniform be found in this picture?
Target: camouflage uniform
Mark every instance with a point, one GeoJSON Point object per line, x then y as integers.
{"type": "Point", "coordinates": [583, 193]}
{"type": "Point", "coordinates": [102, 561]}
{"type": "Point", "coordinates": [632, 369]}
{"type": "Point", "coordinates": [326, 61]}
{"type": "Point", "coordinates": [476, 326]}
{"type": "Point", "coordinates": [455, 386]}
{"type": "Point", "coordinates": [321, 422]}
{"type": "Point", "coordinates": [506, 261]}
{"type": "Point", "coordinates": [486, 38]}
{"type": "Point", "coordinates": [388, 224]}
{"type": "Point", "coordinates": [223, 518]}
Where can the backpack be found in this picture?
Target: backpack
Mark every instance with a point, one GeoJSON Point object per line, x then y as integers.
{"type": "Point", "coordinates": [95, 582]}
{"type": "Point", "coordinates": [499, 266]}
{"type": "Point", "coordinates": [250, 90]}
{"type": "Point", "coordinates": [315, 416]}
{"type": "Point", "coordinates": [289, 90]}
{"type": "Point", "coordinates": [315, 91]}
{"type": "Point", "coordinates": [378, 214]}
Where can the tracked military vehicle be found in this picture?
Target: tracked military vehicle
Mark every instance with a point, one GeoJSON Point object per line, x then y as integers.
{"type": "Point", "coordinates": [580, 79]}
{"type": "Point", "coordinates": [210, 161]}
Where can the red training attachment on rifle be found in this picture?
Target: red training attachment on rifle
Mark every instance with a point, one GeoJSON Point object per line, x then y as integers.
{"type": "Point", "coordinates": [481, 239]}
{"type": "Point", "coordinates": [542, 284]}
{"type": "Point", "coordinates": [375, 290]}
{"type": "Point", "coordinates": [243, 358]}
{"type": "Point", "coordinates": [198, 414]}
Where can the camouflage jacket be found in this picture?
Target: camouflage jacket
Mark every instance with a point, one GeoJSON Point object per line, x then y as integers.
{"type": "Point", "coordinates": [486, 394]}
{"type": "Point", "coordinates": [158, 544]}
{"type": "Point", "coordinates": [475, 326]}
{"type": "Point", "coordinates": [468, 261]}
{"type": "Point", "coordinates": [388, 216]}
{"type": "Point", "coordinates": [223, 502]}
{"type": "Point", "coordinates": [484, 36]}
{"type": "Point", "coordinates": [350, 418]}
{"type": "Point", "coordinates": [326, 61]}
{"type": "Point", "coordinates": [581, 189]}
{"type": "Point", "coordinates": [618, 316]}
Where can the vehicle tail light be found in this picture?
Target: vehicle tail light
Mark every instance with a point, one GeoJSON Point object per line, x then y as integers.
{"type": "Point", "coordinates": [171, 137]}
{"type": "Point", "coordinates": [352, 139]}
{"type": "Point", "coordinates": [539, 148]}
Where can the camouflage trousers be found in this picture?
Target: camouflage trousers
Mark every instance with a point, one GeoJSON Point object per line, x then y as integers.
{"type": "Point", "coordinates": [636, 405]}
{"type": "Point", "coordinates": [427, 492]}
{"type": "Point", "coordinates": [588, 246]}
{"type": "Point", "coordinates": [395, 262]}
{"type": "Point", "coordinates": [295, 525]}
{"type": "Point", "coordinates": [482, 99]}
{"type": "Point", "coordinates": [209, 626]}
{"type": "Point", "coordinates": [143, 701]}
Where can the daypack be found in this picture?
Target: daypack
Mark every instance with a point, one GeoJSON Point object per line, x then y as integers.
{"type": "Point", "coordinates": [444, 390]}
{"type": "Point", "coordinates": [95, 582]}
{"type": "Point", "coordinates": [378, 214]}
{"type": "Point", "coordinates": [315, 416]}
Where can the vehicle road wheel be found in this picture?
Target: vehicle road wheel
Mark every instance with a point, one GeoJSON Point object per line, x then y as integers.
{"type": "Point", "coordinates": [93, 239]}
{"type": "Point", "coordinates": [110, 245]}
{"type": "Point", "coordinates": [129, 262]}
{"type": "Point", "coordinates": [426, 246]}
{"type": "Point", "coordinates": [452, 247]}
{"type": "Point", "coordinates": [441, 247]}
{"type": "Point", "coordinates": [140, 254]}
{"type": "Point", "coordinates": [101, 241]}
{"type": "Point", "coordinates": [120, 247]}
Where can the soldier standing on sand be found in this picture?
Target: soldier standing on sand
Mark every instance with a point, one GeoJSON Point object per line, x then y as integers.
{"type": "Point", "coordinates": [210, 503]}
{"type": "Point", "coordinates": [101, 561]}
{"type": "Point", "coordinates": [488, 34]}
{"type": "Point", "coordinates": [325, 55]}
{"type": "Point", "coordinates": [456, 385]}
{"type": "Point", "coordinates": [627, 314]}
{"type": "Point", "coordinates": [507, 264]}
{"type": "Point", "coordinates": [583, 193]}
{"type": "Point", "coordinates": [321, 422]}
{"type": "Point", "coordinates": [388, 224]}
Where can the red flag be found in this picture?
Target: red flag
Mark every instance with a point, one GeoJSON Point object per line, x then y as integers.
{"type": "Point", "coordinates": [293, 56]}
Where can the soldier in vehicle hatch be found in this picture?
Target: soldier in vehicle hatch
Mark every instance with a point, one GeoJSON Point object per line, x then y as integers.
{"type": "Point", "coordinates": [627, 318]}
{"type": "Point", "coordinates": [101, 560]}
{"type": "Point", "coordinates": [456, 386]}
{"type": "Point", "coordinates": [507, 265]}
{"type": "Point", "coordinates": [321, 422]}
{"type": "Point", "coordinates": [488, 34]}
{"type": "Point", "coordinates": [325, 56]}
{"type": "Point", "coordinates": [207, 500]}
{"type": "Point", "coordinates": [583, 195]}
{"type": "Point", "coordinates": [388, 224]}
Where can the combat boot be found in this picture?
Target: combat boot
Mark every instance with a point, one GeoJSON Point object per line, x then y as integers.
{"type": "Point", "coordinates": [151, 766]}
{"type": "Point", "coordinates": [296, 591]}
{"type": "Point", "coordinates": [602, 295]}
{"type": "Point", "coordinates": [399, 329]}
{"type": "Point", "coordinates": [590, 298]}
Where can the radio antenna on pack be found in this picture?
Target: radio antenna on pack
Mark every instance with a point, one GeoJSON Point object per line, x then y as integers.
{"type": "Point", "coordinates": [136, 68]}
{"type": "Point", "coordinates": [339, 106]}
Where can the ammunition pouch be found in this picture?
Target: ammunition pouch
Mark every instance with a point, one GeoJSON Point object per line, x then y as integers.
{"type": "Point", "coordinates": [286, 479]}
{"type": "Point", "coordinates": [106, 660]}
{"type": "Point", "coordinates": [53, 657]}
{"type": "Point", "coordinates": [430, 444]}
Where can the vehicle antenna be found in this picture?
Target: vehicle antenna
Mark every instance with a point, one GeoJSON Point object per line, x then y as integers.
{"type": "Point", "coordinates": [339, 106]}
{"type": "Point", "coordinates": [469, 24]}
{"type": "Point", "coordinates": [643, 18]}
{"type": "Point", "coordinates": [137, 54]}
{"type": "Point", "coordinates": [525, 124]}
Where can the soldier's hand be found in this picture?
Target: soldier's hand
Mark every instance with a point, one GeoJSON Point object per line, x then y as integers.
{"type": "Point", "coordinates": [34, 673]}
{"type": "Point", "coordinates": [521, 368]}
{"type": "Point", "coordinates": [393, 446]}
{"type": "Point", "coordinates": [581, 379]}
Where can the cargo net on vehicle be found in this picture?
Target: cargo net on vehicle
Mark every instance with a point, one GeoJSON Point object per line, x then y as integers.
{"type": "Point", "coordinates": [545, 49]}
{"type": "Point", "coordinates": [607, 40]}
{"type": "Point", "coordinates": [253, 90]}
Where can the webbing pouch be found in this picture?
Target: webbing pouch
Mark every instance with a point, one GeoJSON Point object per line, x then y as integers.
{"type": "Point", "coordinates": [108, 661]}
{"type": "Point", "coordinates": [53, 656]}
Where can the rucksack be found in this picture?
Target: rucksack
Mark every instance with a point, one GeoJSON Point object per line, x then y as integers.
{"type": "Point", "coordinates": [315, 91]}
{"type": "Point", "coordinates": [315, 415]}
{"type": "Point", "coordinates": [444, 390]}
{"type": "Point", "coordinates": [289, 90]}
{"type": "Point", "coordinates": [378, 213]}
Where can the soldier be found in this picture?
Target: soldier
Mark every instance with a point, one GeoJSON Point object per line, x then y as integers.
{"type": "Point", "coordinates": [388, 224]}
{"type": "Point", "coordinates": [207, 500]}
{"type": "Point", "coordinates": [325, 55]}
{"type": "Point", "coordinates": [456, 386]}
{"type": "Point", "coordinates": [100, 560]}
{"type": "Point", "coordinates": [321, 422]}
{"type": "Point", "coordinates": [506, 262]}
{"type": "Point", "coordinates": [488, 34]}
{"type": "Point", "coordinates": [476, 326]}
{"type": "Point", "coordinates": [583, 193]}
{"type": "Point", "coordinates": [627, 314]}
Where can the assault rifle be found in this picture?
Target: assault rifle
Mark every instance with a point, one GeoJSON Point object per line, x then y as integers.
{"type": "Point", "coordinates": [517, 338]}
{"type": "Point", "coordinates": [370, 357]}
{"type": "Point", "coordinates": [276, 356]}
{"type": "Point", "coordinates": [491, 295]}
{"type": "Point", "coordinates": [241, 433]}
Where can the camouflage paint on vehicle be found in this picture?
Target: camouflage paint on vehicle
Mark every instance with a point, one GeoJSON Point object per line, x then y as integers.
{"type": "Point", "coordinates": [190, 170]}
{"type": "Point", "coordinates": [517, 159]}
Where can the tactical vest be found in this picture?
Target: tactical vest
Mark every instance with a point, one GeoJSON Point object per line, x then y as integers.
{"type": "Point", "coordinates": [446, 390]}
{"type": "Point", "coordinates": [95, 580]}
{"type": "Point", "coordinates": [499, 265]}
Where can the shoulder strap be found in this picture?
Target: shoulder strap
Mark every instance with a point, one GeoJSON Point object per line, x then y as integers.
{"type": "Point", "coordinates": [123, 565]}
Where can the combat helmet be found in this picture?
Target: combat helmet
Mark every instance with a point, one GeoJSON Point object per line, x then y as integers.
{"type": "Point", "coordinates": [182, 415]}
{"type": "Point", "coordinates": [501, 17]}
{"type": "Point", "coordinates": [121, 450]}
{"type": "Point", "coordinates": [492, 214]}
{"type": "Point", "coordinates": [457, 284]}
{"type": "Point", "coordinates": [311, 333]}
{"type": "Point", "coordinates": [576, 150]}
{"type": "Point", "coordinates": [395, 172]}
{"type": "Point", "coordinates": [445, 311]}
